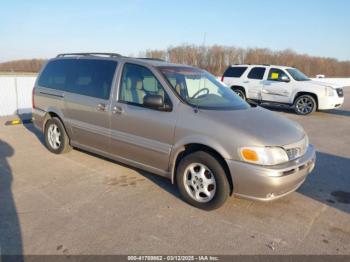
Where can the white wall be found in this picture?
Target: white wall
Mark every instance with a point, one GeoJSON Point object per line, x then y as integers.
{"type": "Point", "coordinates": [16, 94]}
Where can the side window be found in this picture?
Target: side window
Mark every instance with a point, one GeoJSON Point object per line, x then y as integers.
{"type": "Point", "coordinates": [56, 73]}
{"type": "Point", "coordinates": [92, 78]}
{"type": "Point", "coordinates": [257, 73]}
{"type": "Point", "coordinates": [137, 82]}
{"type": "Point", "coordinates": [277, 75]}
{"type": "Point", "coordinates": [84, 76]}
{"type": "Point", "coordinates": [236, 71]}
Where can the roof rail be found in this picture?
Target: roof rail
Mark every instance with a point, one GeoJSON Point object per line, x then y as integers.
{"type": "Point", "coordinates": [89, 54]}
{"type": "Point", "coordinates": [150, 58]}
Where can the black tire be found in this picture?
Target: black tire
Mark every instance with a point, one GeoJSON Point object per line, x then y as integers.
{"type": "Point", "coordinates": [240, 92]}
{"type": "Point", "coordinates": [221, 187]}
{"type": "Point", "coordinates": [63, 146]}
{"type": "Point", "coordinates": [305, 105]}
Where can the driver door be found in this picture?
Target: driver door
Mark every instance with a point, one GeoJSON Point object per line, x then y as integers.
{"type": "Point", "coordinates": [277, 87]}
{"type": "Point", "coordinates": [140, 134]}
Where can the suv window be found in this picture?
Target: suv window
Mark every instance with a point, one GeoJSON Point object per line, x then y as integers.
{"type": "Point", "coordinates": [137, 82]}
{"type": "Point", "coordinates": [257, 73]}
{"type": "Point", "coordinates": [84, 76]}
{"type": "Point", "coordinates": [56, 73]}
{"type": "Point", "coordinates": [236, 71]}
{"type": "Point", "coordinates": [277, 75]}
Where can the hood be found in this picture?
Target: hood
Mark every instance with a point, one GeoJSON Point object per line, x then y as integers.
{"type": "Point", "coordinates": [322, 84]}
{"type": "Point", "coordinates": [255, 127]}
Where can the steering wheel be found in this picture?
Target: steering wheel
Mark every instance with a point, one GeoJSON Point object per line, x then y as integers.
{"type": "Point", "coordinates": [199, 91]}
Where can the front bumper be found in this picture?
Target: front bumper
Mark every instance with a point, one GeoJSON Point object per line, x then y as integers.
{"type": "Point", "coordinates": [267, 183]}
{"type": "Point", "coordinates": [330, 102]}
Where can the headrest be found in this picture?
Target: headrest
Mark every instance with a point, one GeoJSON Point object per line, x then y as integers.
{"type": "Point", "coordinates": [178, 88]}
{"type": "Point", "coordinates": [139, 84]}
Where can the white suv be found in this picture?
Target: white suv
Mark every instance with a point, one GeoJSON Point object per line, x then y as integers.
{"type": "Point", "coordinates": [282, 85]}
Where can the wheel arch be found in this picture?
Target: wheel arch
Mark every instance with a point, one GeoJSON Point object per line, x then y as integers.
{"type": "Point", "coordinates": [186, 149]}
{"type": "Point", "coordinates": [300, 93]}
{"type": "Point", "coordinates": [51, 113]}
{"type": "Point", "coordinates": [240, 88]}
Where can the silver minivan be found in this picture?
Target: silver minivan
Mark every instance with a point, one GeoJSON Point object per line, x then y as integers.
{"type": "Point", "coordinates": [172, 120]}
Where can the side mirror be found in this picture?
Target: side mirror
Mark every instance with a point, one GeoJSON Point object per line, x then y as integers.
{"type": "Point", "coordinates": [153, 101]}
{"type": "Point", "coordinates": [285, 79]}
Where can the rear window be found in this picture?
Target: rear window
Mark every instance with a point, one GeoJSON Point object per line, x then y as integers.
{"type": "Point", "coordinates": [80, 76]}
{"type": "Point", "coordinates": [236, 71]}
{"type": "Point", "coordinates": [257, 73]}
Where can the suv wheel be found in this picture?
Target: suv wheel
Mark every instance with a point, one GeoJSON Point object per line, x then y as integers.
{"type": "Point", "coordinates": [56, 138]}
{"type": "Point", "coordinates": [304, 105]}
{"type": "Point", "coordinates": [202, 181]}
{"type": "Point", "coordinates": [240, 93]}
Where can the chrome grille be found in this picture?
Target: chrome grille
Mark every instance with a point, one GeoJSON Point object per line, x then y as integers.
{"type": "Point", "coordinates": [298, 149]}
{"type": "Point", "coordinates": [293, 153]}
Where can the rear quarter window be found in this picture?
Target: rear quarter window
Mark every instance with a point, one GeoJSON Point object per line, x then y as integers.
{"type": "Point", "coordinates": [55, 74]}
{"type": "Point", "coordinates": [87, 77]}
{"type": "Point", "coordinates": [236, 71]}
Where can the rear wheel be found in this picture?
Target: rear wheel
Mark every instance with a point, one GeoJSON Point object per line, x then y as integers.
{"type": "Point", "coordinates": [304, 105]}
{"type": "Point", "coordinates": [56, 138]}
{"type": "Point", "coordinates": [202, 181]}
{"type": "Point", "coordinates": [240, 93]}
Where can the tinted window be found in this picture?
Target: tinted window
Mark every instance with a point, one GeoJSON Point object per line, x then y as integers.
{"type": "Point", "coordinates": [138, 82]}
{"type": "Point", "coordinates": [235, 71]}
{"type": "Point", "coordinates": [92, 78]}
{"type": "Point", "coordinates": [81, 76]}
{"type": "Point", "coordinates": [277, 75]}
{"type": "Point", "coordinates": [56, 74]}
{"type": "Point", "coordinates": [257, 73]}
{"type": "Point", "coordinates": [297, 75]}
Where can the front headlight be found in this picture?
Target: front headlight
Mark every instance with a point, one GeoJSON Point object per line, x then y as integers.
{"type": "Point", "coordinates": [329, 91]}
{"type": "Point", "coordinates": [267, 156]}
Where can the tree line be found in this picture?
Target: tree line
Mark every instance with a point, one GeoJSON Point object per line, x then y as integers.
{"type": "Point", "coordinates": [216, 59]}
{"type": "Point", "coordinates": [27, 66]}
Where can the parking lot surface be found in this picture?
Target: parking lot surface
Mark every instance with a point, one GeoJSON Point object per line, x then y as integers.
{"type": "Point", "coordinates": [78, 203]}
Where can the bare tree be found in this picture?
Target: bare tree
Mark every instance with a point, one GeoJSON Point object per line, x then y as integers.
{"type": "Point", "coordinates": [216, 59]}
{"type": "Point", "coordinates": [33, 65]}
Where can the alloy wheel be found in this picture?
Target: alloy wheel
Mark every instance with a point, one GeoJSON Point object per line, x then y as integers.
{"type": "Point", "coordinates": [54, 136]}
{"type": "Point", "coordinates": [240, 94]}
{"type": "Point", "coordinates": [199, 182]}
{"type": "Point", "coordinates": [304, 105]}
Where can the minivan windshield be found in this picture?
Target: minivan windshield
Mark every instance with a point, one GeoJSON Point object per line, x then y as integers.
{"type": "Point", "coordinates": [201, 89]}
{"type": "Point", "coordinates": [297, 75]}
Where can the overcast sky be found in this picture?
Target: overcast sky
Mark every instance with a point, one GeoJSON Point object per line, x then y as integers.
{"type": "Point", "coordinates": [43, 28]}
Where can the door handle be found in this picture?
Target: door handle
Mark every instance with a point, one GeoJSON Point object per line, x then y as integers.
{"type": "Point", "coordinates": [101, 107]}
{"type": "Point", "coordinates": [265, 91]}
{"type": "Point", "coordinates": [246, 82]}
{"type": "Point", "coordinates": [117, 110]}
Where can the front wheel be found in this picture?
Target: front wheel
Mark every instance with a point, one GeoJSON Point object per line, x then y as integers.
{"type": "Point", "coordinates": [202, 181]}
{"type": "Point", "coordinates": [304, 105]}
